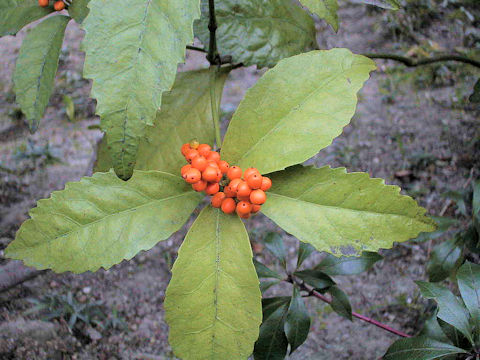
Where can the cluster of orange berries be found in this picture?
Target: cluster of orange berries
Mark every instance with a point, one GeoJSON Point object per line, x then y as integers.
{"type": "Point", "coordinates": [58, 5]}
{"type": "Point", "coordinates": [229, 190]}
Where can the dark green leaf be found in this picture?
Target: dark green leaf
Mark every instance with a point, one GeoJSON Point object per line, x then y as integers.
{"type": "Point", "coordinates": [443, 224]}
{"type": "Point", "coordinates": [274, 243]}
{"type": "Point", "coordinates": [272, 342]}
{"type": "Point", "coordinates": [420, 348]}
{"type": "Point", "coordinates": [78, 10]}
{"type": "Point", "coordinates": [454, 336]}
{"type": "Point", "coordinates": [304, 251]}
{"type": "Point", "coordinates": [265, 285]}
{"type": "Point", "coordinates": [264, 271]}
{"type": "Point", "coordinates": [444, 259]}
{"type": "Point", "coordinates": [468, 278]}
{"type": "Point", "coordinates": [324, 9]}
{"type": "Point", "coordinates": [315, 278]}
{"type": "Point", "coordinates": [476, 203]}
{"type": "Point", "coordinates": [297, 323]}
{"type": "Point", "coordinates": [255, 32]}
{"type": "Point", "coordinates": [475, 95]}
{"type": "Point", "coordinates": [348, 265]}
{"type": "Point", "coordinates": [340, 303]}
{"type": "Point", "coordinates": [37, 66]}
{"type": "Point", "coordinates": [450, 308]}
{"type": "Point", "coordinates": [15, 14]}
{"type": "Point", "coordinates": [432, 329]}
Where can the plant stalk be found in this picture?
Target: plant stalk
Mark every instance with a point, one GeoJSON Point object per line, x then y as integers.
{"type": "Point", "coordinates": [212, 55]}
{"type": "Point", "coordinates": [213, 104]}
{"type": "Point", "coordinates": [409, 62]}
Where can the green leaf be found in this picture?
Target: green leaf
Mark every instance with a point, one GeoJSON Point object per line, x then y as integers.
{"type": "Point", "coordinates": [295, 109]}
{"type": "Point", "coordinates": [78, 10]}
{"type": "Point", "coordinates": [342, 213]}
{"type": "Point", "coordinates": [272, 342]}
{"type": "Point", "coordinates": [468, 278]}
{"type": "Point", "coordinates": [315, 278]}
{"type": "Point", "coordinates": [36, 67]}
{"type": "Point", "coordinates": [186, 112]}
{"type": "Point", "coordinates": [254, 32]}
{"type": "Point", "coordinates": [340, 303]}
{"type": "Point", "coordinates": [304, 251]}
{"type": "Point", "coordinates": [213, 302]}
{"type": "Point", "coordinates": [15, 14]}
{"type": "Point", "coordinates": [128, 80]}
{"type": "Point", "coordinates": [347, 265]}
{"type": "Point", "coordinates": [476, 206]}
{"type": "Point", "coordinates": [444, 259]}
{"type": "Point", "coordinates": [101, 220]}
{"type": "Point", "coordinates": [443, 224]}
{"type": "Point", "coordinates": [450, 308]}
{"type": "Point", "coordinates": [274, 243]}
{"type": "Point", "coordinates": [475, 95]}
{"type": "Point", "coordinates": [433, 330]}
{"type": "Point", "coordinates": [265, 285]}
{"type": "Point", "coordinates": [385, 4]}
{"type": "Point", "coordinates": [297, 322]}
{"type": "Point", "coordinates": [324, 9]}
{"type": "Point", "coordinates": [420, 348]}
{"type": "Point", "coordinates": [264, 271]}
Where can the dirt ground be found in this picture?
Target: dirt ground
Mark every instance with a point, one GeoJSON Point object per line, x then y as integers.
{"type": "Point", "coordinates": [415, 134]}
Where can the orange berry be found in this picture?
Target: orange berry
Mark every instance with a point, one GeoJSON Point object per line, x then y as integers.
{"type": "Point", "coordinates": [243, 207]}
{"type": "Point", "coordinates": [213, 163]}
{"type": "Point", "coordinates": [59, 5]}
{"type": "Point", "coordinates": [214, 156]}
{"type": "Point", "coordinates": [191, 154]}
{"type": "Point", "coordinates": [244, 216]}
{"type": "Point", "coordinates": [212, 188]}
{"type": "Point", "coordinates": [254, 181]}
{"type": "Point", "coordinates": [228, 206]}
{"type": "Point", "coordinates": [43, 3]}
{"type": "Point", "coordinates": [256, 208]}
{"type": "Point", "coordinates": [243, 189]}
{"type": "Point", "coordinates": [258, 197]}
{"type": "Point", "coordinates": [266, 183]}
{"type": "Point", "coordinates": [234, 172]}
{"type": "Point", "coordinates": [233, 185]}
{"type": "Point", "coordinates": [199, 185]}
{"type": "Point", "coordinates": [185, 148]}
{"type": "Point", "coordinates": [204, 149]}
{"type": "Point", "coordinates": [210, 174]}
{"type": "Point", "coordinates": [229, 193]}
{"type": "Point", "coordinates": [219, 175]}
{"type": "Point", "coordinates": [217, 199]}
{"type": "Point", "coordinates": [192, 176]}
{"type": "Point", "coordinates": [250, 171]}
{"type": "Point", "coordinates": [243, 198]}
{"type": "Point", "coordinates": [223, 165]}
{"type": "Point", "coordinates": [199, 163]}
{"type": "Point", "coordinates": [185, 168]}
{"type": "Point", "coordinates": [194, 144]}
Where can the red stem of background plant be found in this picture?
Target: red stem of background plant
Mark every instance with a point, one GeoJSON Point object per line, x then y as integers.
{"type": "Point", "coordinates": [358, 316]}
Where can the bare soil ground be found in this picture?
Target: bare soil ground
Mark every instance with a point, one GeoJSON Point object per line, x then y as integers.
{"type": "Point", "coordinates": [399, 126]}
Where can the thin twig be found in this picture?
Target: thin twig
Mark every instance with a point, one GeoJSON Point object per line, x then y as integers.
{"type": "Point", "coordinates": [196, 48]}
{"type": "Point", "coordinates": [212, 55]}
{"type": "Point", "coordinates": [425, 61]}
{"type": "Point", "coordinates": [322, 297]}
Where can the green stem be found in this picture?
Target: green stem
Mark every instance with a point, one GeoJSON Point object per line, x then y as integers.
{"type": "Point", "coordinates": [213, 105]}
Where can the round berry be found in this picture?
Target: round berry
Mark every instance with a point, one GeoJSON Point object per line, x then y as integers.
{"type": "Point", "coordinates": [43, 3]}
{"type": "Point", "coordinates": [59, 5]}
{"type": "Point", "coordinates": [185, 168]}
{"type": "Point", "coordinates": [217, 199]}
{"type": "Point", "coordinates": [233, 185]}
{"type": "Point", "coordinates": [254, 181]}
{"type": "Point", "coordinates": [213, 163]}
{"type": "Point", "coordinates": [256, 208]}
{"type": "Point", "coordinates": [228, 206]}
{"type": "Point", "coordinates": [243, 198]}
{"type": "Point", "coordinates": [243, 189]}
{"type": "Point", "coordinates": [191, 154]}
{"type": "Point", "coordinates": [192, 176]}
{"type": "Point", "coordinates": [243, 207]}
{"type": "Point", "coordinates": [204, 149]}
{"type": "Point", "coordinates": [210, 174]}
{"type": "Point", "coordinates": [212, 188]}
{"type": "Point", "coordinates": [199, 185]}
{"type": "Point", "coordinates": [199, 163]}
{"type": "Point", "coordinates": [194, 144]}
{"type": "Point", "coordinates": [266, 183]}
{"type": "Point", "coordinates": [185, 148]}
{"type": "Point", "coordinates": [244, 216]}
{"type": "Point", "coordinates": [234, 172]}
{"type": "Point", "coordinates": [214, 156]}
{"type": "Point", "coordinates": [223, 165]}
{"type": "Point", "coordinates": [258, 197]}
{"type": "Point", "coordinates": [229, 193]}
{"type": "Point", "coordinates": [250, 171]}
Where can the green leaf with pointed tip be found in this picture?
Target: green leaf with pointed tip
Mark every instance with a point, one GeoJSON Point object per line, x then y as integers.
{"type": "Point", "coordinates": [264, 271]}
{"type": "Point", "coordinates": [315, 278]}
{"type": "Point", "coordinates": [213, 302]}
{"type": "Point", "coordinates": [347, 265]}
{"type": "Point", "coordinates": [254, 32]}
{"type": "Point", "coordinates": [450, 308]}
{"type": "Point", "coordinates": [443, 224]}
{"type": "Point", "coordinates": [420, 348]}
{"type": "Point", "coordinates": [297, 322]}
{"type": "Point", "coordinates": [101, 220]}
{"type": "Point", "coordinates": [340, 303]}
{"type": "Point", "coordinates": [15, 14]}
{"type": "Point", "coordinates": [265, 285]}
{"type": "Point", "coordinates": [274, 243]}
{"type": "Point", "coordinates": [131, 67]}
{"type": "Point", "coordinates": [342, 213]}
{"type": "Point", "coordinates": [78, 10]}
{"type": "Point", "coordinates": [304, 251]}
{"type": "Point", "coordinates": [433, 330]}
{"type": "Point", "coordinates": [295, 109]}
{"type": "Point", "coordinates": [186, 113]}
{"type": "Point", "coordinates": [324, 9]}
{"type": "Point", "coordinates": [468, 278]}
{"type": "Point", "coordinates": [37, 66]}
{"type": "Point", "coordinates": [444, 259]}
{"type": "Point", "coordinates": [385, 4]}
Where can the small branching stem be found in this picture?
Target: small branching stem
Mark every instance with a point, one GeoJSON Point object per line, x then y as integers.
{"type": "Point", "coordinates": [410, 62]}
{"type": "Point", "coordinates": [212, 56]}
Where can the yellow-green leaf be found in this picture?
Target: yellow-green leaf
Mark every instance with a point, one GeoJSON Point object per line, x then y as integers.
{"type": "Point", "coordinates": [132, 52]}
{"type": "Point", "coordinates": [324, 9]}
{"type": "Point", "coordinates": [101, 220]}
{"type": "Point", "coordinates": [213, 302]}
{"type": "Point", "coordinates": [295, 109]}
{"type": "Point", "coordinates": [342, 213]}
{"type": "Point", "coordinates": [36, 67]}
{"type": "Point", "coordinates": [15, 14]}
{"type": "Point", "coordinates": [78, 10]}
